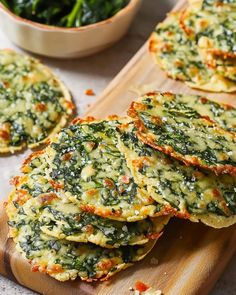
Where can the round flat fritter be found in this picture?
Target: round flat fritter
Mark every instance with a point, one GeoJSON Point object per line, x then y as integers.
{"type": "Point", "coordinates": [180, 131]}
{"type": "Point", "coordinates": [63, 220]}
{"type": "Point", "coordinates": [86, 163]}
{"type": "Point", "coordinates": [83, 165]}
{"type": "Point", "coordinates": [65, 260]}
{"type": "Point", "coordinates": [34, 104]}
{"type": "Point", "coordinates": [178, 55]}
{"type": "Point", "coordinates": [189, 192]}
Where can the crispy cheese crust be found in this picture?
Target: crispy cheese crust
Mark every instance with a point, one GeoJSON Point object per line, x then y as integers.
{"type": "Point", "coordinates": [34, 103]}
{"type": "Point", "coordinates": [104, 185]}
{"type": "Point", "coordinates": [190, 192]}
{"type": "Point", "coordinates": [65, 260]}
{"type": "Point", "coordinates": [84, 166]}
{"type": "Point", "coordinates": [63, 220]}
{"type": "Point", "coordinates": [183, 133]}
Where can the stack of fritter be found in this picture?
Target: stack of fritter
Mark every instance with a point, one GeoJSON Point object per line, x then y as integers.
{"type": "Point", "coordinates": [79, 190]}
{"type": "Point", "coordinates": [96, 199]}
{"type": "Point", "coordinates": [198, 45]}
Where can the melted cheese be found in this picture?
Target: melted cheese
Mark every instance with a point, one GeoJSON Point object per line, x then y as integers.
{"type": "Point", "coordinates": [222, 114]}
{"type": "Point", "coordinates": [64, 260]}
{"type": "Point", "coordinates": [185, 134]}
{"type": "Point", "coordinates": [215, 32]}
{"type": "Point", "coordinates": [190, 192]}
{"type": "Point", "coordinates": [87, 172]}
{"type": "Point", "coordinates": [32, 101]}
{"type": "Point", "coordinates": [97, 179]}
{"type": "Point", "coordinates": [177, 53]}
{"type": "Point", "coordinates": [63, 220]}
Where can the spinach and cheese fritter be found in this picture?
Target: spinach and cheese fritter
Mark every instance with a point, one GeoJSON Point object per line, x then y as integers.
{"type": "Point", "coordinates": [170, 47]}
{"type": "Point", "coordinates": [213, 33]}
{"type": "Point", "coordinates": [65, 260]}
{"type": "Point", "coordinates": [63, 220]}
{"type": "Point", "coordinates": [84, 166]}
{"type": "Point", "coordinates": [180, 131]}
{"type": "Point", "coordinates": [87, 168]}
{"type": "Point", "coordinates": [190, 193]}
{"type": "Point", "coordinates": [178, 55]}
{"type": "Point", "coordinates": [34, 104]}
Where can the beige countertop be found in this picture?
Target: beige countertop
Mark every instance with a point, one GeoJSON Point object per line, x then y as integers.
{"type": "Point", "coordinates": [96, 72]}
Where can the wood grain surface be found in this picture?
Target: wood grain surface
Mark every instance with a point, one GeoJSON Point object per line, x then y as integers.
{"type": "Point", "coordinates": [187, 260]}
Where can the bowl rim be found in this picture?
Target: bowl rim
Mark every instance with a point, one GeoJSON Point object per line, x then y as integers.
{"type": "Point", "coordinates": [130, 6]}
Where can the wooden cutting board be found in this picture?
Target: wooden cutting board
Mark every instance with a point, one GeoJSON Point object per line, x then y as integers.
{"type": "Point", "coordinates": [187, 260]}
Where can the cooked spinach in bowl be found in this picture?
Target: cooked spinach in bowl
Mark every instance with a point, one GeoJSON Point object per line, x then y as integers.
{"type": "Point", "coordinates": [65, 13]}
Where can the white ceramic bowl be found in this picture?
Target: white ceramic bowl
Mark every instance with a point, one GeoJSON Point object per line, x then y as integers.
{"type": "Point", "coordinates": [67, 42]}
